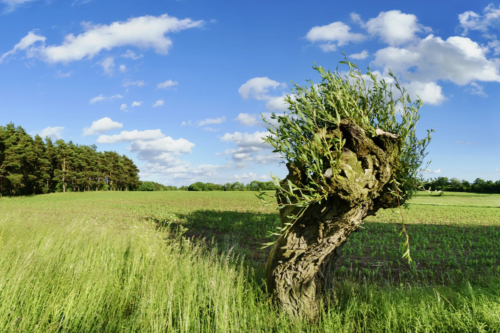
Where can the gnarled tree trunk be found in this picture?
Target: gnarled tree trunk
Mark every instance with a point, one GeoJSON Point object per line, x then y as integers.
{"type": "Point", "coordinates": [301, 266]}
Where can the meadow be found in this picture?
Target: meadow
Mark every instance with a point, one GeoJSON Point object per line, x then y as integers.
{"type": "Point", "coordinates": [192, 262]}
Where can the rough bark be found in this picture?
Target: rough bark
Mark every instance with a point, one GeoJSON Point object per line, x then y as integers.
{"type": "Point", "coordinates": [301, 267]}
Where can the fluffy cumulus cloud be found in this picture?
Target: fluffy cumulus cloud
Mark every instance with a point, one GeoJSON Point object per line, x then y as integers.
{"type": "Point", "coordinates": [359, 56]}
{"type": "Point", "coordinates": [258, 88]}
{"type": "Point", "coordinates": [429, 92]}
{"type": "Point", "coordinates": [332, 35]}
{"type": "Point", "coordinates": [136, 103]}
{"type": "Point", "coordinates": [247, 119]}
{"type": "Point", "coordinates": [101, 126]}
{"type": "Point", "coordinates": [457, 59]}
{"type": "Point", "coordinates": [162, 155]}
{"type": "Point", "coordinates": [249, 148]}
{"type": "Point", "coordinates": [123, 107]}
{"type": "Point", "coordinates": [167, 84]}
{"type": "Point", "coordinates": [470, 20]}
{"type": "Point", "coordinates": [145, 32]}
{"type": "Point", "coordinates": [52, 132]}
{"type": "Point", "coordinates": [129, 136]}
{"type": "Point", "coordinates": [394, 27]}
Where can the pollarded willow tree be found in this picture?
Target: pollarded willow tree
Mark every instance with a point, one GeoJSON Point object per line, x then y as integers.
{"type": "Point", "coordinates": [350, 147]}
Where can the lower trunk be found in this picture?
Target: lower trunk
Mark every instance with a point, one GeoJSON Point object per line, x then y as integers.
{"type": "Point", "coordinates": [301, 267]}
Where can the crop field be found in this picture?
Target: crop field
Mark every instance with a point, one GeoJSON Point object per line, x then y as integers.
{"type": "Point", "coordinates": [192, 261]}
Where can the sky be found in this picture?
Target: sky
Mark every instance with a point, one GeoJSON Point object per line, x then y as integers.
{"type": "Point", "coordinates": [180, 86]}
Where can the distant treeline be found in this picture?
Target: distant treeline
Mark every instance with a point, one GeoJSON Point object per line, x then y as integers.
{"type": "Point", "coordinates": [456, 185]}
{"type": "Point", "coordinates": [153, 186]}
{"type": "Point", "coordinates": [199, 186]}
{"type": "Point", "coordinates": [237, 186]}
{"type": "Point", "coordinates": [33, 166]}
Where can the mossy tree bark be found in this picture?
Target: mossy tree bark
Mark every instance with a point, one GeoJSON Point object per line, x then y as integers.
{"type": "Point", "coordinates": [301, 266]}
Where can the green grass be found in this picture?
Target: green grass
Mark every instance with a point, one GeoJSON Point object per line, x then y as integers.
{"type": "Point", "coordinates": [116, 262]}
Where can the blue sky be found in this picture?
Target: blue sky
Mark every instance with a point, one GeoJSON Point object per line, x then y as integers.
{"type": "Point", "coordinates": [179, 86]}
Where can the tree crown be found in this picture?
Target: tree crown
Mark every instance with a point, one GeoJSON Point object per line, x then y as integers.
{"type": "Point", "coordinates": [307, 139]}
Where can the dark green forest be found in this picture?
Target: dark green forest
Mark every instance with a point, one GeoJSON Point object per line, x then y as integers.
{"type": "Point", "coordinates": [34, 166]}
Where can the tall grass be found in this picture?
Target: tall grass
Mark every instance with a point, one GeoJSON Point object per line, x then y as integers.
{"type": "Point", "coordinates": [77, 273]}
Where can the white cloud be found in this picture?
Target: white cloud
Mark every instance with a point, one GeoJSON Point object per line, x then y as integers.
{"type": "Point", "coordinates": [359, 56]}
{"type": "Point", "coordinates": [135, 103]}
{"type": "Point", "coordinates": [123, 68]}
{"type": "Point", "coordinates": [356, 18]}
{"type": "Point", "coordinates": [249, 177]}
{"type": "Point", "coordinates": [332, 35]}
{"type": "Point", "coordinates": [26, 43]}
{"type": "Point", "coordinates": [138, 83]}
{"type": "Point", "coordinates": [394, 27]}
{"type": "Point", "coordinates": [186, 123]}
{"type": "Point", "coordinates": [470, 20]}
{"type": "Point", "coordinates": [108, 65]}
{"type": "Point", "coordinates": [255, 140]}
{"type": "Point", "coordinates": [11, 5]}
{"type": "Point", "coordinates": [103, 98]}
{"type": "Point", "coordinates": [163, 145]}
{"type": "Point", "coordinates": [247, 119]}
{"type": "Point", "coordinates": [167, 84]}
{"type": "Point", "coordinates": [61, 74]}
{"type": "Point", "coordinates": [250, 148]}
{"type": "Point", "coordinates": [158, 103]}
{"type": "Point", "coordinates": [429, 92]}
{"type": "Point", "coordinates": [477, 89]}
{"type": "Point", "coordinates": [277, 104]}
{"type": "Point", "coordinates": [258, 88]}
{"type": "Point", "coordinates": [212, 121]}
{"type": "Point", "coordinates": [101, 126]}
{"type": "Point", "coordinates": [52, 132]}
{"type": "Point", "coordinates": [457, 59]}
{"type": "Point", "coordinates": [123, 107]}
{"type": "Point", "coordinates": [437, 171]}
{"type": "Point", "coordinates": [143, 32]}
{"type": "Point", "coordinates": [129, 136]}
{"type": "Point", "coordinates": [131, 55]}
{"type": "Point", "coordinates": [210, 129]}
{"type": "Point", "coordinates": [328, 47]}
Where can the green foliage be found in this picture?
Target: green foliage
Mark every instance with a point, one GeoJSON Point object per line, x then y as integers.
{"type": "Point", "coordinates": [306, 135]}
{"type": "Point", "coordinates": [154, 186]}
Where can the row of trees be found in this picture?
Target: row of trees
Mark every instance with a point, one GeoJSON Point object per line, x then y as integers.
{"type": "Point", "coordinates": [33, 166]}
{"type": "Point", "coordinates": [154, 186]}
{"type": "Point", "coordinates": [454, 184]}
{"type": "Point", "coordinates": [237, 186]}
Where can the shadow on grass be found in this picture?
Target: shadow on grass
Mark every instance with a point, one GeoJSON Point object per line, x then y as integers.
{"type": "Point", "coordinates": [442, 254]}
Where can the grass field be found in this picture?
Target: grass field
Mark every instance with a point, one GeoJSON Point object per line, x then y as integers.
{"type": "Point", "coordinates": [191, 262]}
